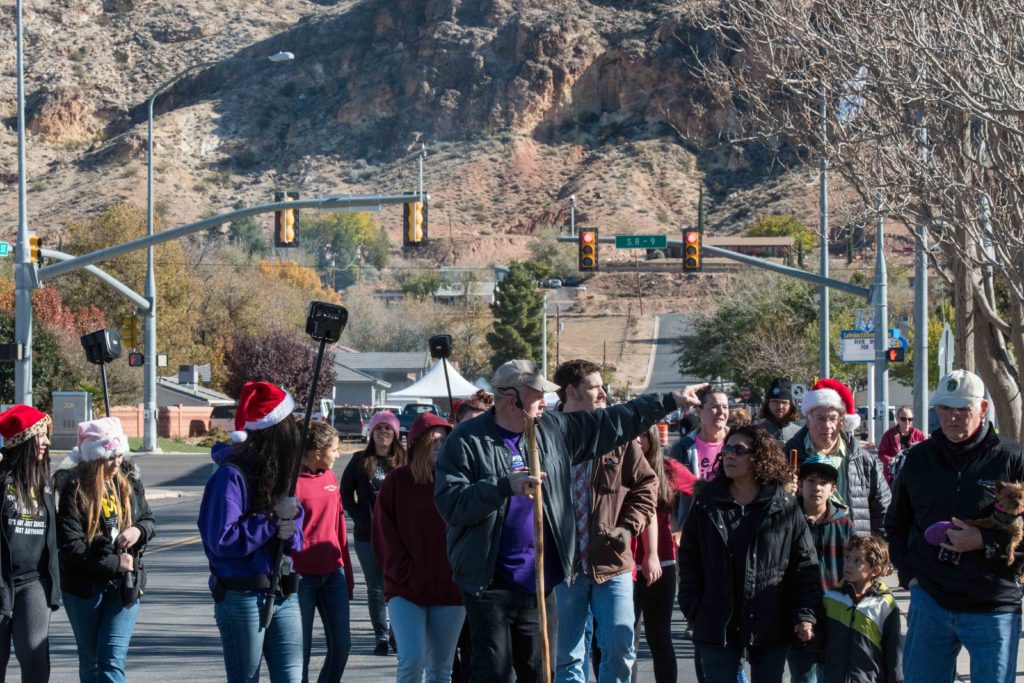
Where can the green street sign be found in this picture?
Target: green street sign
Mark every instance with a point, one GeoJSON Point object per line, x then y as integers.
{"type": "Point", "coordinates": [641, 241]}
{"type": "Point", "coordinates": [5, 248]}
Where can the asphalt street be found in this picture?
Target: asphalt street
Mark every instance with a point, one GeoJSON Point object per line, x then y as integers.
{"type": "Point", "coordinates": [176, 637]}
{"type": "Point", "coordinates": [665, 375]}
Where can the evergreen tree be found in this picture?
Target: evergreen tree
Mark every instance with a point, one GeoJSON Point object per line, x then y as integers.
{"type": "Point", "coordinates": [517, 317]}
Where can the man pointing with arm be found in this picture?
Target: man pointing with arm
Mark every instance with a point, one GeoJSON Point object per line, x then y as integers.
{"type": "Point", "coordinates": [480, 491]}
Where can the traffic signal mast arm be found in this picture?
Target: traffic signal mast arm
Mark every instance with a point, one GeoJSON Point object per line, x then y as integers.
{"type": "Point", "coordinates": [757, 263]}
{"type": "Point", "coordinates": [365, 202]}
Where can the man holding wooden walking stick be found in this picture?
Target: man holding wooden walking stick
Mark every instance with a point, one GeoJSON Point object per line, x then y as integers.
{"type": "Point", "coordinates": [483, 490]}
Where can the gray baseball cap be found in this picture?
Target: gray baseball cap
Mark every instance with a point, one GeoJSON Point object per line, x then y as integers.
{"type": "Point", "coordinates": [959, 389]}
{"type": "Point", "coordinates": [522, 373]}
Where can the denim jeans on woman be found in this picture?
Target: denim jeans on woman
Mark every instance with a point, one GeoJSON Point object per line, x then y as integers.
{"type": "Point", "coordinates": [328, 595]}
{"type": "Point", "coordinates": [374, 577]}
{"type": "Point", "coordinates": [245, 643]}
{"type": "Point", "coordinates": [426, 638]}
{"type": "Point", "coordinates": [935, 636]}
{"type": "Point", "coordinates": [103, 630]}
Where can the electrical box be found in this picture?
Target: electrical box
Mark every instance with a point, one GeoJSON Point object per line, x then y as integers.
{"type": "Point", "coordinates": [69, 408]}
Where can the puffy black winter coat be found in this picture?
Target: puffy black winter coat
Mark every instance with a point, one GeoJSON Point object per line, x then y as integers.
{"type": "Point", "coordinates": [783, 583]}
{"type": "Point", "coordinates": [868, 496]}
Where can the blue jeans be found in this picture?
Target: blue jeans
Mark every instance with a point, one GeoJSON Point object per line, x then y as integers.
{"type": "Point", "coordinates": [374, 577]}
{"type": "Point", "coordinates": [722, 664]}
{"type": "Point", "coordinates": [611, 603]}
{"type": "Point", "coordinates": [803, 665]}
{"type": "Point", "coordinates": [328, 595]}
{"type": "Point", "coordinates": [103, 630]}
{"type": "Point", "coordinates": [935, 636]}
{"type": "Point", "coordinates": [426, 637]}
{"type": "Point", "coordinates": [245, 643]}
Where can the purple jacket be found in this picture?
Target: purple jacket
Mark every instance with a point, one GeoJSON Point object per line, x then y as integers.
{"type": "Point", "coordinates": [235, 542]}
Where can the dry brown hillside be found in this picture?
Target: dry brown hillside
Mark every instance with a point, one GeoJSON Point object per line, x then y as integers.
{"type": "Point", "coordinates": [521, 103]}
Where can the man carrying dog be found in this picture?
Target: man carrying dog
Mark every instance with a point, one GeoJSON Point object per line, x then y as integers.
{"type": "Point", "coordinates": [481, 489]}
{"type": "Point", "coordinates": [962, 591]}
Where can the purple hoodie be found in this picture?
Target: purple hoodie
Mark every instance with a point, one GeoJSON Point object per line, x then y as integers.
{"type": "Point", "coordinates": [235, 542]}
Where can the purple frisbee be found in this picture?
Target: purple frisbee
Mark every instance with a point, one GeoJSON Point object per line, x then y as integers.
{"type": "Point", "coordinates": [936, 533]}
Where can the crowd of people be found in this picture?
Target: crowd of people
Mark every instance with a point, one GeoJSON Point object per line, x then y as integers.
{"type": "Point", "coordinates": [772, 534]}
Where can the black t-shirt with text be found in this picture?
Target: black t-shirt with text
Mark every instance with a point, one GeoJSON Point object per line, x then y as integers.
{"type": "Point", "coordinates": [25, 528]}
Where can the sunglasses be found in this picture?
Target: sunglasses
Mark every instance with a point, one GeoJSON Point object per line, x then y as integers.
{"type": "Point", "coordinates": [736, 449]}
{"type": "Point", "coordinates": [906, 419]}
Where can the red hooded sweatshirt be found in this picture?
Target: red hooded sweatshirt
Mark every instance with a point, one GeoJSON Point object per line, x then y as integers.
{"type": "Point", "coordinates": [325, 544]}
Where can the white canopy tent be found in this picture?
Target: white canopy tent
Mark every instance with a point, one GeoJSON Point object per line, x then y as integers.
{"type": "Point", "coordinates": [432, 385]}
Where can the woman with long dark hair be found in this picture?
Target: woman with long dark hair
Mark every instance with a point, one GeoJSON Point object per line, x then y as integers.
{"type": "Point", "coordinates": [409, 542]}
{"type": "Point", "coordinates": [104, 525]}
{"type": "Point", "coordinates": [244, 514]}
{"type": "Point", "coordinates": [360, 482]}
{"type": "Point", "coordinates": [28, 536]}
{"type": "Point", "coordinates": [748, 573]}
{"type": "Point", "coordinates": [655, 555]}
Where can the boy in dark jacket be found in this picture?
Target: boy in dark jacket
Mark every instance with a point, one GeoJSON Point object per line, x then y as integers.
{"type": "Point", "coordinates": [862, 624]}
{"type": "Point", "coordinates": [830, 528]}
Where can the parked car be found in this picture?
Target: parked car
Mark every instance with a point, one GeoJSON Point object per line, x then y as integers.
{"type": "Point", "coordinates": [350, 422]}
{"type": "Point", "coordinates": [410, 411]}
{"type": "Point", "coordinates": [223, 417]}
{"type": "Point", "coordinates": [572, 281]}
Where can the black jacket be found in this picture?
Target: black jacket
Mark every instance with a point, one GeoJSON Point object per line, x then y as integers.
{"type": "Point", "coordinates": [941, 480]}
{"type": "Point", "coordinates": [783, 583]}
{"type": "Point", "coordinates": [868, 496]}
{"type": "Point", "coordinates": [472, 489]}
{"type": "Point", "coordinates": [85, 565]}
{"type": "Point", "coordinates": [358, 496]}
{"type": "Point", "coordinates": [6, 562]}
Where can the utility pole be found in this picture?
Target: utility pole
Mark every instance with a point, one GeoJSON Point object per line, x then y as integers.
{"type": "Point", "coordinates": [921, 307]}
{"type": "Point", "coordinates": [572, 215]}
{"type": "Point", "coordinates": [823, 313]}
{"type": "Point", "coordinates": [23, 268]}
{"type": "Point", "coordinates": [544, 336]}
{"type": "Point", "coordinates": [881, 397]}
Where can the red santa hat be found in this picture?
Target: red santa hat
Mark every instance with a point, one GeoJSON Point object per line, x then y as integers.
{"type": "Point", "coordinates": [831, 393]}
{"type": "Point", "coordinates": [20, 422]}
{"type": "Point", "coordinates": [260, 405]}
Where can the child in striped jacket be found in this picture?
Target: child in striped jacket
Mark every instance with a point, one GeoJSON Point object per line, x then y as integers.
{"type": "Point", "coordinates": [862, 620]}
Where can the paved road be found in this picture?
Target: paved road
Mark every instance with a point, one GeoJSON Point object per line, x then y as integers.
{"type": "Point", "coordinates": [176, 638]}
{"type": "Point", "coordinates": [665, 375]}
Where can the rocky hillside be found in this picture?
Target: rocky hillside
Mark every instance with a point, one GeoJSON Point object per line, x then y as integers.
{"type": "Point", "coordinates": [520, 103]}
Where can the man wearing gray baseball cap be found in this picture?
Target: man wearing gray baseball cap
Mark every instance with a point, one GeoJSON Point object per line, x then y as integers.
{"type": "Point", "coordinates": [963, 585]}
{"type": "Point", "coordinates": [481, 490]}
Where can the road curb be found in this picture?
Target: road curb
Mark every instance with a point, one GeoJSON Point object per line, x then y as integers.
{"type": "Point", "coordinates": [165, 494]}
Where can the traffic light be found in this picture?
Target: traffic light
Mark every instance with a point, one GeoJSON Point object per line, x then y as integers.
{"type": "Point", "coordinates": [895, 354]}
{"type": "Point", "coordinates": [692, 238]}
{"type": "Point", "coordinates": [286, 222]}
{"type": "Point", "coordinates": [414, 223]}
{"type": "Point", "coordinates": [136, 360]}
{"type": "Point", "coordinates": [34, 245]}
{"type": "Point", "coordinates": [131, 334]}
{"type": "Point", "coordinates": [588, 249]}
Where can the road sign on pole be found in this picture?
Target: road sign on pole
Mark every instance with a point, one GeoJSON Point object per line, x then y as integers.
{"type": "Point", "coordinates": [5, 248]}
{"type": "Point", "coordinates": [641, 241]}
{"type": "Point", "coordinates": [946, 350]}
{"type": "Point", "coordinates": [857, 346]}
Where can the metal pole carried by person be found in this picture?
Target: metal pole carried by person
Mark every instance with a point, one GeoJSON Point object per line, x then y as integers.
{"type": "Point", "coordinates": [324, 323]}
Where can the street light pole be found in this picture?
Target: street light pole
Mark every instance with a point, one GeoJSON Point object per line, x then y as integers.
{"type": "Point", "coordinates": [149, 410]}
{"type": "Point", "coordinates": [23, 264]}
{"type": "Point", "coordinates": [881, 397]}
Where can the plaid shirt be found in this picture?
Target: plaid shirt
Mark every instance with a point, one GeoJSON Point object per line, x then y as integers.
{"type": "Point", "coordinates": [830, 539]}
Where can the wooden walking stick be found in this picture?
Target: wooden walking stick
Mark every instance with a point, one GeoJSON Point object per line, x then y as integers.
{"type": "Point", "coordinates": [538, 542]}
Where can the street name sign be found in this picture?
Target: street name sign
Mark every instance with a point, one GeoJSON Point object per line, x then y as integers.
{"type": "Point", "coordinates": [641, 241]}
{"type": "Point", "coordinates": [856, 346]}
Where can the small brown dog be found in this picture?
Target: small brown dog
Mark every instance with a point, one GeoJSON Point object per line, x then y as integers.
{"type": "Point", "coordinates": [1007, 515]}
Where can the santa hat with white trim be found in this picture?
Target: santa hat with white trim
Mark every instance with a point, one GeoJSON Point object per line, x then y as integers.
{"type": "Point", "coordinates": [831, 393]}
{"type": "Point", "coordinates": [260, 405]}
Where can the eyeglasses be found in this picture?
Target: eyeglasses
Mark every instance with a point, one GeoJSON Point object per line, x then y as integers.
{"type": "Point", "coordinates": [906, 419]}
{"type": "Point", "coordinates": [826, 419]}
{"type": "Point", "coordinates": [736, 449]}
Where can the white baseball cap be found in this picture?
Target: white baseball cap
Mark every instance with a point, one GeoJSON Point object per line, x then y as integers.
{"type": "Point", "coordinates": [959, 389]}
